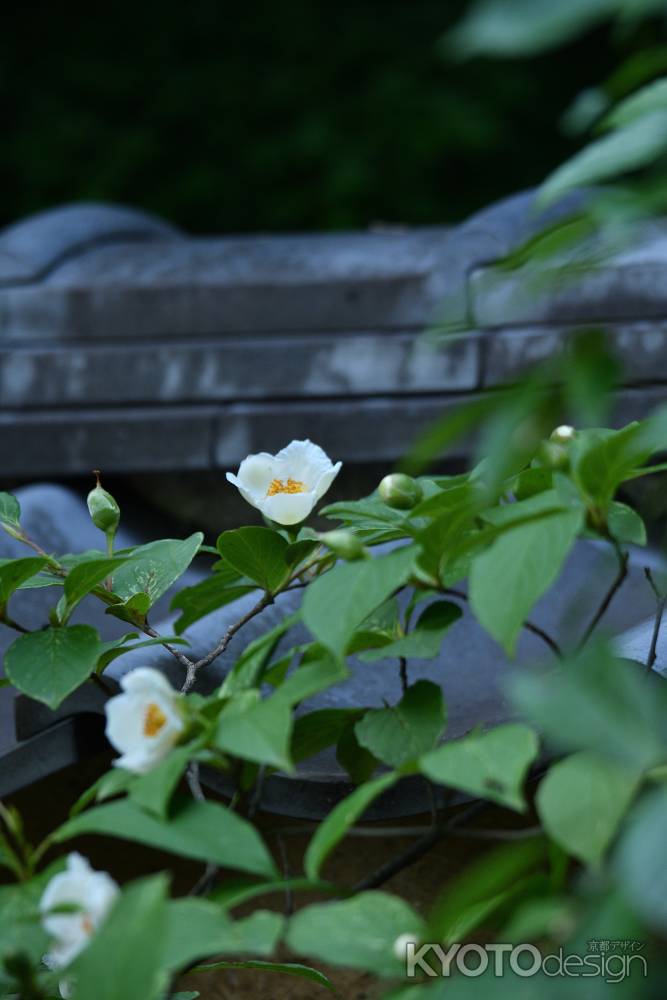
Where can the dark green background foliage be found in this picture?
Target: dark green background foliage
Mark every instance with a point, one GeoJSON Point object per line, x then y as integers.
{"type": "Point", "coordinates": [292, 115]}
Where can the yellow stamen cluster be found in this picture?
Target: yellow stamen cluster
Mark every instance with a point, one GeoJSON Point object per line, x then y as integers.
{"type": "Point", "coordinates": [154, 720]}
{"type": "Point", "coordinates": [291, 486]}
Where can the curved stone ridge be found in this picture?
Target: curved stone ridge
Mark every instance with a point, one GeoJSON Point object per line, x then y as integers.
{"type": "Point", "coordinates": [128, 346]}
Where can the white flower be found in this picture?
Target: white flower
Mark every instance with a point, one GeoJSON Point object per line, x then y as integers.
{"type": "Point", "coordinates": [79, 886]}
{"type": "Point", "coordinates": [400, 945]}
{"type": "Point", "coordinates": [143, 723]}
{"type": "Point", "coordinates": [286, 486]}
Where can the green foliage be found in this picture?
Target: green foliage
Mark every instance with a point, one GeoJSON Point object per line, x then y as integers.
{"type": "Point", "coordinates": [340, 819]}
{"type": "Point", "coordinates": [401, 733]}
{"type": "Point", "coordinates": [490, 765]}
{"type": "Point", "coordinates": [582, 800]}
{"type": "Point", "coordinates": [51, 664]}
{"type": "Point", "coordinates": [257, 553]}
{"type": "Point", "coordinates": [358, 932]}
{"type": "Point", "coordinates": [205, 831]}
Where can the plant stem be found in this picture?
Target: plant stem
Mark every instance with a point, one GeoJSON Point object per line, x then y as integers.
{"type": "Point", "coordinates": [660, 599]}
{"type": "Point", "coordinates": [529, 626]}
{"type": "Point", "coordinates": [609, 596]}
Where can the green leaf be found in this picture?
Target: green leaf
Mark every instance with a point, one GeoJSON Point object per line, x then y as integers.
{"type": "Point", "coordinates": [359, 762]}
{"type": "Point", "coordinates": [597, 702]}
{"type": "Point", "coordinates": [582, 801]}
{"type": "Point", "coordinates": [509, 577]}
{"type": "Point", "coordinates": [20, 928]}
{"type": "Point", "coordinates": [402, 733]}
{"type": "Point", "coordinates": [287, 968]}
{"type": "Point", "coordinates": [317, 671]}
{"type": "Point", "coordinates": [112, 965]}
{"type": "Point", "coordinates": [318, 730]}
{"type": "Point", "coordinates": [83, 578]}
{"type": "Point", "coordinates": [354, 590]}
{"type": "Point", "coordinates": [212, 593]}
{"type": "Point", "coordinates": [602, 459]}
{"type": "Point", "coordinates": [523, 27]}
{"type": "Point", "coordinates": [14, 573]}
{"type": "Point", "coordinates": [133, 610]}
{"type": "Point", "coordinates": [260, 733]}
{"type": "Point", "coordinates": [153, 791]}
{"type": "Point", "coordinates": [490, 765]}
{"type": "Point", "coordinates": [50, 664]}
{"type": "Point", "coordinates": [424, 641]}
{"type": "Point", "coordinates": [118, 647]}
{"type": "Point", "coordinates": [625, 524]}
{"type": "Point", "coordinates": [10, 511]}
{"type": "Point", "coordinates": [370, 518]}
{"type": "Point", "coordinates": [248, 670]}
{"type": "Point", "coordinates": [197, 928]}
{"type": "Point", "coordinates": [652, 97]}
{"type": "Point", "coordinates": [258, 553]}
{"type": "Point", "coordinates": [205, 831]}
{"type": "Point", "coordinates": [358, 933]}
{"type": "Point", "coordinates": [332, 829]}
{"type": "Point", "coordinates": [153, 568]}
{"type": "Point", "coordinates": [235, 892]}
{"type": "Point", "coordinates": [637, 864]}
{"type": "Point", "coordinates": [482, 881]}
{"type": "Point", "coordinates": [630, 147]}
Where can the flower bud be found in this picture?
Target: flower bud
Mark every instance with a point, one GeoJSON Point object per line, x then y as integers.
{"type": "Point", "coordinates": [554, 455]}
{"type": "Point", "coordinates": [104, 510]}
{"type": "Point", "coordinates": [344, 544]}
{"type": "Point", "coordinates": [400, 491]}
{"type": "Point", "coordinates": [563, 434]}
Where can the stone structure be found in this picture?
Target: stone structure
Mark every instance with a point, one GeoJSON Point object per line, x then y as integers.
{"type": "Point", "coordinates": [127, 345]}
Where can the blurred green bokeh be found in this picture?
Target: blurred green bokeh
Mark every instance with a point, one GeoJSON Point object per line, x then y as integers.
{"type": "Point", "coordinates": [258, 116]}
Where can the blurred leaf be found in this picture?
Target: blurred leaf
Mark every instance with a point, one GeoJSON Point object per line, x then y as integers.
{"type": "Point", "coordinates": [287, 968]}
{"type": "Point", "coordinates": [358, 761]}
{"type": "Point", "coordinates": [636, 864]}
{"type": "Point", "coordinates": [491, 765]}
{"type": "Point", "coordinates": [600, 703]}
{"type": "Point", "coordinates": [111, 965]}
{"type": "Point", "coordinates": [401, 733]}
{"type": "Point", "coordinates": [625, 524]}
{"type": "Point", "coordinates": [509, 577]}
{"type": "Point", "coordinates": [652, 97]}
{"type": "Point", "coordinates": [153, 791]}
{"type": "Point", "coordinates": [358, 933]}
{"type": "Point", "coordinates": [318, 730]}
{"type": "Point", "coordinates": [343, 815]}
{"type": "Point", "coordinates": [249, 668]}
{"type": "Point", "coordinates": [636, 145]}
{"type": "Point", "coordinates": [205, 831]}
{"type": "Point", "coordinates": [197, 928]}
{"type": "Point", "coordinates": [582, 801]}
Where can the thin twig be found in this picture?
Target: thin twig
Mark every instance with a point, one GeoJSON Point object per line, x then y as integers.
{"type": "Point", "coordinates": [205, 881]}
{"type": "Point", "coordinates": [192, 668]}
{"type": "Point", "coordinates": [529, 626]}
{"type": "Point", "coordinates": [609, 596]}
{"type": "Point", "coordinates": [660, 600]}
{"type": "Point", "coordinates": [416, 850]}
{"type": "Point", "coordinates": [284, 861]}
{"type": "Point", "coordinates": [403, 673]}
{"type": "Point", "coordinates": [184, 660]}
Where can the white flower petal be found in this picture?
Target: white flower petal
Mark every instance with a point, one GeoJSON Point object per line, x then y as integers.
{"type": "Point", "coordinates": [288, 508]}
{"type": "Point", "coordinates": [148, 680]}
{"type": "Point", "coordinates": [255, 474]}
{"type": "Point", "coordinates": [326, 479]}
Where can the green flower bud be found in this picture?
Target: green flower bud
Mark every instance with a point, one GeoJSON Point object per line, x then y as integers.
{"type": "Point", "coordinates": [344, 544]}
{"type": "Point", "coordinates": [400, 491]}
{"type": "Point", "coordinates": [104, 511]}
{"type": "Point", "coordinates": [563, 434]}
{"type": "Point", "coordinates": [555, 456]}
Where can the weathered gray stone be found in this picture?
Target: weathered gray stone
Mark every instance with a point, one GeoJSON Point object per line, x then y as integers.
{"type": "Point", "coordinates": [641, 350]}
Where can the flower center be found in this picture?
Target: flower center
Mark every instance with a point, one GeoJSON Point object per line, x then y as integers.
{"type": "Point", "coordinates": [87, 924]}
{"type": "Point", "coordinates": [154, 720]}
{"type": "Point", "coordinates": [291, 486]}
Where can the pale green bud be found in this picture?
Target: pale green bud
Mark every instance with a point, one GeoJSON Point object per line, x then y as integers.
{"type": "Point", "coordinates": [103, 509]}
{"type": "Point", "coordinates": [400, 491]}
